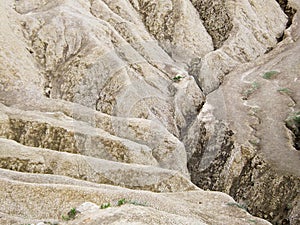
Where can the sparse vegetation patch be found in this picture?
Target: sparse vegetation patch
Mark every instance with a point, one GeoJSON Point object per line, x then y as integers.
{"type": "Point", "coordinates": [177, 78]}
{"type": "Point", "coordinates": [241, 206]}
{"type": "Point", "coordinates": [293, 123]}
{"type": "Point", "coordinates": [284, 90]}
{"type": "Point", "coordinates": [121, 201]}
{"type": "Point", "coordinates": [105, 205]}
{"type": "Point", "coordinates": [269, 75]}
{"type": "Point", "coordinates": [71, 214]}
{"type": "Point", "coordinates": [249, 91]}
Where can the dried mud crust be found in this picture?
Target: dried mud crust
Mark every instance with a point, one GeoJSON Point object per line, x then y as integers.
{"type": "Point", "coordinates": [218, 23]}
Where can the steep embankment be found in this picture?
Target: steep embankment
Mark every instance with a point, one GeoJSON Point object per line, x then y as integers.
{"type": "Point", "coordinates": [99, 97]}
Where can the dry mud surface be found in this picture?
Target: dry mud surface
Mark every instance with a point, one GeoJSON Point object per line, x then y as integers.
{"type": "Point", "coordinates": [149, 112]}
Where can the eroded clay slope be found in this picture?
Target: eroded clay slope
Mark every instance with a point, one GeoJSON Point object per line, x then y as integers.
{"type": "Point", "coordinates": [106, 100]}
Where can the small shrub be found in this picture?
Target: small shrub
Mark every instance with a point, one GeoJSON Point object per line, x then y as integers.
{"type": "Point", "coordinates": [121, 201]}
{"type": "Point", "coordinates": [252, 221]}
{"type": "Point", "coordinates": [284, 90]}
{"type": "Point", "coordinates": [50, 223]}
{"type": "Point", "coordinates": [254, 86]}
{"type": "Point", "coordinates": [137, 203]}
{"type": "Point", "coordinates": [269, 75]}
{"type": "Point", "coordinates": [293, 123]}
{"type": "Point", "coordinates": [244, 207]}
{"type": "Point", "coordinates": [297, 119]}
{"type": "Point", "coordinates": [289, 206]}
{"type": "Point", "coordinates": [254, 142]}
{"type": "Point", "coordinates": [71, 214]}
{"type": "Point", "coordinates": [105, 205]}
{"type": "Point", "coordinates": [294, 119]}
{"type": "Point", "coordinates": [177, 78]}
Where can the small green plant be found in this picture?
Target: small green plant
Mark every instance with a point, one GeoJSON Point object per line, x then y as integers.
{"type": "Point", "coordinates": [105, 205]}
{"type": "Point", "coordinates": [254, 142]}
{"type": "Point", "coordinates": [294, 119]}
{"type": "Point", "coordinates": [137, 203]}
{"type": "Point", "coordinates": [269, 75]}
{"type": "Point", "coordinates": [284, 90]}
{"type": "Point", "coordinates": [71, 214]}
{"type": "Point", "coordinates": [289, 206]}
{"type": "Point", "coordinates": [121, 201]}
{"type": "Point", "coordinates": [253, 111]}
{"type": "Point", "coordinates": [244, 207]}
{"type": "Point", "coordinates": [254, 86]}
{"type": "Point", "coordinates": [293, 123]}
{"type": "Point", "coordinates": [177, 78]}
{"type": "Point", "coordinates": [50, 223]}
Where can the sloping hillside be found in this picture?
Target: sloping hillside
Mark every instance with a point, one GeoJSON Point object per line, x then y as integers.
{"type": "Point", "coordinates": [137, 111]}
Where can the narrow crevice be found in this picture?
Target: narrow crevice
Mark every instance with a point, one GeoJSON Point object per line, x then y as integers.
{"type": "Point", "coordinates": [290, 12]}
{"type": "Point", "coordinates": [207, 162]}
{"type": "Point", "coordinates": [194, 69]}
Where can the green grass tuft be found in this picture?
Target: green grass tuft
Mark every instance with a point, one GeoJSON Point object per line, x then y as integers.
{"type": "Point", "coordinates": [244, 207]}
{"type": "Point", "coordinates": [254, 86]}
{"type": "Point", "coordinates": [252, 221]}
{"type": "Point", "coordinates": [269, 75]}
{"type": "Point", "coordinates": [121, 201]}
{"type": "Point", "coordinates": [105, 205]}
{"type": "Point", "coordinates": [137, 203]}
{"type": "Point", "coordinates": [284, 90]}
{"type": "Point", "coordinates": [177, 78]}
{"type": "Point", "coordinates": [71, 214]}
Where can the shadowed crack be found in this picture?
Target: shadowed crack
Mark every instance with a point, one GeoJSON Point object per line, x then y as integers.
{"type": "Point", "coordinates": [209, 159]}
{"type": "Point", "coordinates": [289, 11]}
